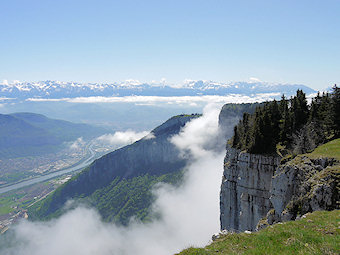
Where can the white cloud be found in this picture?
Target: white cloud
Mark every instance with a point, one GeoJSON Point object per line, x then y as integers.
{"type": "Point", "coordinates": [77, 144]}
{"type": "Point", "coordinates": [149, 136]}
{"type": "Point", "coordinates": [254, 80]}
{"type": "Point", "coordinates": [231, 98]}
{"type": "Point", "coordinates": [6, 98]}
{"type": "Point", "coordinates": [189, 214]}
{"type": "Point", "coordinates": [201, 134]}
{"type": "Point", "coordinates": [119, 139]}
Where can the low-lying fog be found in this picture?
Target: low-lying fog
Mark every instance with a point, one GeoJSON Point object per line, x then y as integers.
{"type": "Point", "coordinates": [190, 213]}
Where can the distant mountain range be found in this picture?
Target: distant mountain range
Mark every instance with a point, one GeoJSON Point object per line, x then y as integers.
{"type": "Point", "coordinates": [30, 134]}
{"type": "Point", "coordinates": [58, 89]}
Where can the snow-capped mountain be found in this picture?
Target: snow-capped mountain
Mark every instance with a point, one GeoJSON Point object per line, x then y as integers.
{"type": "Point", "coordinates": [58, 89]}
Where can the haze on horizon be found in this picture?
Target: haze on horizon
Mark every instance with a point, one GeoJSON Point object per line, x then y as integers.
{"type": "Point", "coordinates": [111, 41]}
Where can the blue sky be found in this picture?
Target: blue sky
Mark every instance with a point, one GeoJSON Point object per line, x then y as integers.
{"type": "Point", "coordinates": [98, 41]}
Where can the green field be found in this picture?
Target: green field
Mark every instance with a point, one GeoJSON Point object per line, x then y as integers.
{"type": "Point", "coordinates": [8, 201]}
{"type": "Point", "coordinates": [317, 233]}
{"type": "Point", "coordinates": [330, 150]}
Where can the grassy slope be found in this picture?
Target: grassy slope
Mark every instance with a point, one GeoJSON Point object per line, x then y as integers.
{"type": "Point", "coordinates": [318, 233]}
{"type": "Point", "coordinates": [117, 202]}
{"type": "Point", "coordinates": [124, 199]}
{"type": "Point", "coordinates": [330, 150]}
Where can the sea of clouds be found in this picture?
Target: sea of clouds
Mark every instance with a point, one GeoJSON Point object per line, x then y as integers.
{"type": "Point", "coordinates": [189, 213]}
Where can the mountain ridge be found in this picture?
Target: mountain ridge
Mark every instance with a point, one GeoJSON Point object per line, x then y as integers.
{"type": "Point", "coordinates": [29, 134]}
{"type": "Point", "coordinates": [58, 89]}
{"type": "Point", "coordinates": [150, 160]}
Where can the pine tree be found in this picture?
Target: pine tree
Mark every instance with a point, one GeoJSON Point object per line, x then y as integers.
{"type": "Point", "coordinates": [336, 110]}
{"type": "Point", "coordinates": [275, 116]}
{"type": "Point", "coordinates": [257, 131]}
{"type": "Point", "coordinates": [285, 122]}
{"type": "Point", "coordinates": [236, 138]}
{"type": "Point", "coordinates": [314, 109]}
{"type": "Point", "coordinates": [299, 110]}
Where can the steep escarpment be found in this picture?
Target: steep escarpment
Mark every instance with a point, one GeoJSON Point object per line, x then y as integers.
{"type": "Point", "coordinates": [301, 183]}
{"type": "Point", "coordinates": [151, 159]}
{"type": "Point", "coordinates": [245, 189]}
{"type": "Point", "coordinates": [258, 190]}
{"type": "Point", "coordinates": [244, 194]}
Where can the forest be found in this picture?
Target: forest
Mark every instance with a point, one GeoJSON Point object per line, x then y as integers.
{"type": "Point", "coordinates": [290, 124]}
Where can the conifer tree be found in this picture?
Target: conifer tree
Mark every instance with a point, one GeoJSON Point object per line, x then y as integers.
{"type": "Point", "coordinates": [236, 138]}
{"type": "Point", "coordinates": [299, 110]}
{"type": "Point", "coordinates": [336, 110]}
{"type": "Point", "coordinates": [285, 122]}
{"type": "Point", "coordinates": [290, 122]}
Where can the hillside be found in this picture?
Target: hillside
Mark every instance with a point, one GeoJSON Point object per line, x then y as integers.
{"type": "Point", "coordinates": [314, 233]}
{"type": "Point", "coordinates": [30, 134]}
{"type": "Point", "coordinates": [119, 184]}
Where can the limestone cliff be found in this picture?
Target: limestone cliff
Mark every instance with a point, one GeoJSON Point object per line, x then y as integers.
{"type": "Point", "coordinates": [244, 197]}
{"type": "Point", "coordinates": [304, 185]}
{"type": "Point", "coordinates": [258, 190]}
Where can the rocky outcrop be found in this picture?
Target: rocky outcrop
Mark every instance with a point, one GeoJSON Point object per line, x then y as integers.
{"type": "Point", "coordinates": [257, 190]}
{"type": "Point", "coordinates": [244, 197]}
{"type": "Point", "coordinates": [304, 185]}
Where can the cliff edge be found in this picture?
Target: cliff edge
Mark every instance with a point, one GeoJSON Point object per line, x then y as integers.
{"type": "Point", "coordinates": [258, 190]}
{"type": "Point", "coordinates": [245, 189]}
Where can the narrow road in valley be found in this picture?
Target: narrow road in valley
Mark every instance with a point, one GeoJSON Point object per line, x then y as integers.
{"type": "Point", "coordinates": [81, 164]}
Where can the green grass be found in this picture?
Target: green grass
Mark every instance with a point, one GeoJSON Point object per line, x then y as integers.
{"type": "Point", "coordinates": [6, 204]}
{"type": "Point", "coordinates": [15, 176]}
{"type": "Point", "coordinates": [117, 202]}
{"type": "Point", "coordinates": [5, 210]}
{"type": "Point", "coordinates": [318, 233]}
{"type": "Point", "coordinates": [11, 199]}
{"type": "Point", "coordinates": [330, 149]}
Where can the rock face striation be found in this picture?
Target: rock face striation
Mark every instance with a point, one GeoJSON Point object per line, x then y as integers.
{"type": "Point", "coordinates": [303, 185]}
{"type": "Point", "coordinates": [258, 190]}
{"type": "Point", "coordinates": [245, 189]}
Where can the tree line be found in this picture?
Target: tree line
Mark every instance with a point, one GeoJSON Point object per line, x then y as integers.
{"type": "Point", "coordinates": [291, 123]}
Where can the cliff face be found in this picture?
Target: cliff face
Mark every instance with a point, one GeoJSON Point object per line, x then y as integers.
{"type": "Point", "coordinates": [244, 197]}
{"type": "Point", "coordinates": [257, 190]}
{"type": "Point", "coordinates": [304, 185]}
